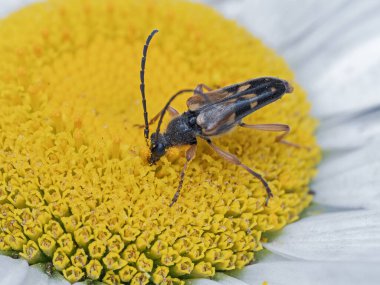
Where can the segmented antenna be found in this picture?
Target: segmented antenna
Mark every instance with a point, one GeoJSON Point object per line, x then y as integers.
{"type": "Point", "coordinates": [142, 84]}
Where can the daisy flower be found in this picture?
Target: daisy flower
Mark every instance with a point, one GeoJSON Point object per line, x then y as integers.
{"type": "Point", "coordinates": [78, 199]}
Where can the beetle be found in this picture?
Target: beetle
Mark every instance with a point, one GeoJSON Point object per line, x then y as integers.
{"type": "Point", "coordinates": [211, 113]}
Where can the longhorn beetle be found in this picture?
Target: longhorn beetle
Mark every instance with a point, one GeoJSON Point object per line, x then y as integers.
{"type": "Point", "coordinates": [212, 113]}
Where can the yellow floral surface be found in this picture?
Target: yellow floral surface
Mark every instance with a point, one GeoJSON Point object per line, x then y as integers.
{"type": "Point", "coordinates": [75, 185]}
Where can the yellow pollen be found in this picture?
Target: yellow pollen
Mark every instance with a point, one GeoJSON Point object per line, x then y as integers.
{"type": "Point", "coordinates": [76, 188]}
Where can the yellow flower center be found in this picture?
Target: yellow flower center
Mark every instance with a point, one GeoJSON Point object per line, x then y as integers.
{"type": "Point", "coordinates": [75, 185]}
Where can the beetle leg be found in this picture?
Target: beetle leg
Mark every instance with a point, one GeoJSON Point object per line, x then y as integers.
{"type": "Point", "coordinates": [233, 159]}
{"type": "Point", "coordinates": [200, 87]}
{"type": "Point", "coordinates": [172, 112]}
{"type": "Point", "coordinates": [273, 128]}
{"type": "Point", "coordinates": [190, 154]}
{"type": "Point", "coordinates": [199, 91]}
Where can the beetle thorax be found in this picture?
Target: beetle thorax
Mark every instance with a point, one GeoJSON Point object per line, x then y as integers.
{"type": "Point", "coordinates": [182, 130]}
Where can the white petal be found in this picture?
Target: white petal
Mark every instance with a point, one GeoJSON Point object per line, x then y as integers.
{"type": "Point", "coordinates": [327, 36]}
{"type": "Point", "coordinates": [58, 280]}
{"type": "Point", "coordinates": [12, 271]}
{"type": "Point", "coordinates": [35, 276]}
{"type": "Point", "coordinates": [330, 167]}
{"type": "Point", "coordinates": [342, 236]}
{"type": "Point", "coordinates": [350, 133]}
{"type": "Point", "coordinates": [311, 273]}
{"type": "Point", "coordinates": [225, 279]}
{"type": "Point", "coordinates": [202, 282]}
{"type": "Point", "coordinates": [278, 22]}
{"type": "Point", "coordinates": [337, 67]}
{"type": "Point", "coordinates": [350, 180]}
{"type": "Point", "coordinates": [267, 256]}
{"type": "Point", "coordinates": [9, 6]}
{"type": "Point", "coordinates": [228, 8]}
{"type": "Point", "coordinates": [345, 81]}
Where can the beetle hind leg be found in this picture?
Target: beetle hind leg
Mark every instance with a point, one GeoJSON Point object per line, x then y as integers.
{"type": "Point", "coordinates": [233, 159]}
{"type": "Point", "coordinates": [274, 128]}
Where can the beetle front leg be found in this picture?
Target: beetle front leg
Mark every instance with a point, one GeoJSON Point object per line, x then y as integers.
{"type": "Point", "coordinates": [172, 112]}
{"type": "Point", "coordinates": [190, 154]}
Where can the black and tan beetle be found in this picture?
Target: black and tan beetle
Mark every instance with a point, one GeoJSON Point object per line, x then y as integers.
{"type": "Point", "coordinates": [212, 113]}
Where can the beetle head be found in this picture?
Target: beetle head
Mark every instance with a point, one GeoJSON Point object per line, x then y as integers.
{"type": "Point", "coordinates": [158, 146]}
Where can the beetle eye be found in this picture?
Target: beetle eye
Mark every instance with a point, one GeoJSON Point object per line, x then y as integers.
{"type": "Point", "coordinates": [159, 148]}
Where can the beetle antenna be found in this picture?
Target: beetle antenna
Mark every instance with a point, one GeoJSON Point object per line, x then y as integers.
{"type": "Point", "coordinates": [142, 84]}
